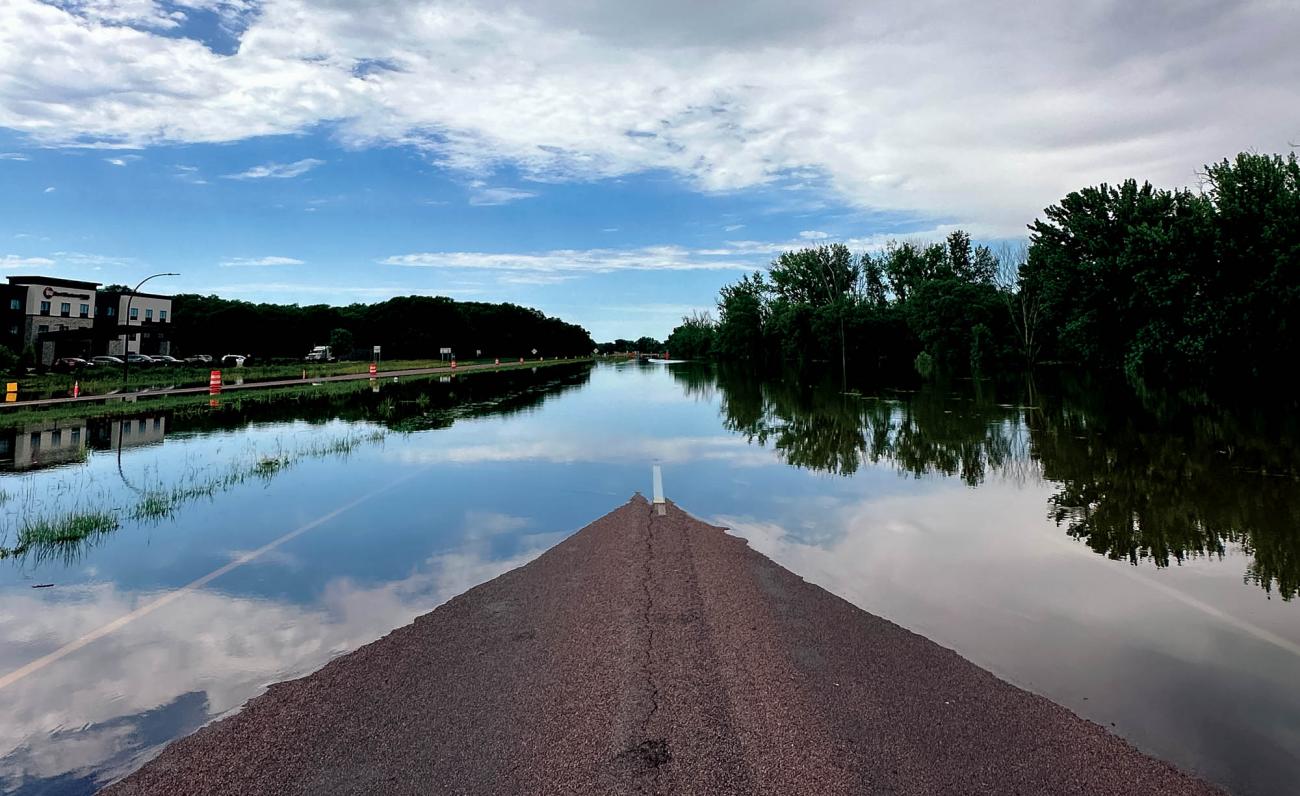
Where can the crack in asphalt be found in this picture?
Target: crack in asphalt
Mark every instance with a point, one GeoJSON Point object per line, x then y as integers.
{"type": "Point", "coordinates": [649, 753]}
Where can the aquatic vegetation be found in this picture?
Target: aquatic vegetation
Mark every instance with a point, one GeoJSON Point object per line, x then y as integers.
{"type": "Point", "coordinates": [62, 530]}
{"type": "Point", "coordinates": [59, 533]}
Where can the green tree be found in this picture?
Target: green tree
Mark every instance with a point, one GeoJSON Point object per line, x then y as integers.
{"type": "Point", "coordinates": [742, 316]}
{"type": "Point", "coordinates": [694, 338]}
{"type": "Point", "coordinates": [341, 343]}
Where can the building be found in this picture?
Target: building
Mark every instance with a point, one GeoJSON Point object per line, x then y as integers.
{"type": "Point", "coordinates": [150, 312]}
{"type": "Point", "coordinates": [69, 318]}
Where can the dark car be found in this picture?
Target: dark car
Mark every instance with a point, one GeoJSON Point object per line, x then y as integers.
{"type": "Point", "coordinates": [164, 359]}
{"type": "Point", "coordinates": [69, 364]}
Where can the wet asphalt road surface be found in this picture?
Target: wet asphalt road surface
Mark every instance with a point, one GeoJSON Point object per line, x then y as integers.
{"type": "Point", "coordinates": [653, 654]}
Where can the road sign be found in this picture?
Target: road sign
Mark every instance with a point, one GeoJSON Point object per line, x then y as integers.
{"type": "Point", "coordinates": [478, 352]}
{"type": "Point", "coordinates": [444, 350]}
{"type": "Point", "coordinates": [534, 352]}
{"type": "Point", "coordinates": [376, 350]}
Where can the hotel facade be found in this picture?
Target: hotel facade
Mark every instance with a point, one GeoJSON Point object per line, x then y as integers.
{"type": "Point", "coordinates": [70, 318]}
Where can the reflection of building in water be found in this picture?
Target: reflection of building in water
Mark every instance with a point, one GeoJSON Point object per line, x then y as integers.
{"type": "Point", "coordinates": [131, 432]}
{"type": "Point", "coordinates": [58, 442]}
{"type": "Point", "coordinates": [42, 444]}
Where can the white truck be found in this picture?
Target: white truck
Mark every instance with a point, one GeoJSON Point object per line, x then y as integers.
{"type": "Point", "coordinates": [320, 353]}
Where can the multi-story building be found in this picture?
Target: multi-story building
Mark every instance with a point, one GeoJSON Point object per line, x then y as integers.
{"type": "Point", "coordinates": [69, 318]}
{"type": "Point", "coordinates": [54, 316]}
{"type": "Point", "coordinates": [150, 312]}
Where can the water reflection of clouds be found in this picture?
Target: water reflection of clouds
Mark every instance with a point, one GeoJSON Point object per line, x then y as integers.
{"type": "Point", "coordinates": [90, 712]}
{"type": "Point", "coordinates": [570, 449]}
{"type": "Point", "coordinates": [985, 572]}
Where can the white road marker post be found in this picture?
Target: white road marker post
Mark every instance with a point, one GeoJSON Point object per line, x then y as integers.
{"type": "Point", "coordinates": [660, 507]}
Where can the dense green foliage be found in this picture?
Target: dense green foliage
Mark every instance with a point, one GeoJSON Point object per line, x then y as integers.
{"type": "Point", "coordinates": [406, 326]}
{"type": "Point", "coordinates": [1176, 285]}
{"type": "Point", "coordinates": [1168, 287]}
{"type": "Point", "coordinates": [881, 310]}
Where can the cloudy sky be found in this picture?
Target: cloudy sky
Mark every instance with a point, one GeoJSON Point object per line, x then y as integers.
{"type": "Point", "coordinates": [612, 163]}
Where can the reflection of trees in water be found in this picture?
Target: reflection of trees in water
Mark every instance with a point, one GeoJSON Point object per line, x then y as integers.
{"type": "Point", "coordinates": [1136, 482]}
{"type": "Point", "coordinates": [822, 429]}
{"type": "Point", "coordinates": [1135, 488]}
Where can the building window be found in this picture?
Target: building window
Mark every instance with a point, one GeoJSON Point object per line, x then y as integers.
{"type": "Point", "coordinates": [157, 424]}
{"type": "Point", "coordinates": [162, 316]}
{"type": "Point", "coordinates": [45, 308]}
{"type": "Point", "coordinates": [45, 327]}
{"type": "Point", "coordinates": [141, 424]}
{"type": "Point", "coordinates": [135, 313]}
{"type": "Point", "coordinates": [85, 310]}
{"type": "Point", "coordinates": [14, 330]}
{"type": "Point", "coordinates": [76, 437]}
{"type": "Point", "coordinates": [148, 315]}
{"type": "Point", "coordinates": [65, 309]}
{"type": "Point", "coordinates": [36, 440]}
{"type": "Point", "coordinates": [56, 437]}
{"type": "Point", "coordinates": [15, 304]}
{"type": "Point", "coordinates": [109, 311]}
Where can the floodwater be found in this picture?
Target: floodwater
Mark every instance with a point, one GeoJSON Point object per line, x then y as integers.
{"type": "Point", "coordinates": [1136, 565]}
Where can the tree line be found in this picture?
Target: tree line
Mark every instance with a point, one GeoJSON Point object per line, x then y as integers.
{"type": "Point", "coordinates": [1168, 287]}
{"type": "Point", "coordinates": [405, 327]}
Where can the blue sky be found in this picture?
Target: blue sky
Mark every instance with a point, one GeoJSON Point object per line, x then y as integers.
{"type": "Point", "coordinates": [613, 166]}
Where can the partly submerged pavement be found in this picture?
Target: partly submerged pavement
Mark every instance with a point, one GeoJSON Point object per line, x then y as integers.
{"type": "Point", "coordinates": [653, 653]}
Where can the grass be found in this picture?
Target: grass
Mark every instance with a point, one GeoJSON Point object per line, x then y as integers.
{"type": "Point", "coordinates": [63, 533]}
{"type": "Point", "coordinates": [196, 404]}
{"type": "Point", "coordinates": [102, 380]}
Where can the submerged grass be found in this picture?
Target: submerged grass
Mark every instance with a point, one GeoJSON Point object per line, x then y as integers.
{"type": "Point", "coordinates": [61, 534]}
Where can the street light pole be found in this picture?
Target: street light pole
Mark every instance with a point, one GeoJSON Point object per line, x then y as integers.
{"type": "Point", "coordinates": [126, 336]}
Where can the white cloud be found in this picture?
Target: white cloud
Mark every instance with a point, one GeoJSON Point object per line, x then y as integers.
{"type": "Point", "coordinates": [15, 156]}
{"type": "Point", "coordinates": [487, 196]}
{"type": "Point", "coordinates": [813, 234]}
{"type": "Point", "coordinates": [50, 189]}
{"type": "Point", "coordinates": [560, 261]}
{"type": "Point", "coordinates": [15, 261]}
{"type": "Point", "coordinates": [115, 161]}
{"type": "Point", "coordinates": [972, 114]}
{"type": "Point", "coordinates": [87, 260]}
{"type": "Point", "coordinates": [259, 262]}
{"type": "Point", "coordinates": [277, 170]}
{"type": "Point", "coordinates": [548, 267]}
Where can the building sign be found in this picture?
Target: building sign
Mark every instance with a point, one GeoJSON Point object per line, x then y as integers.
{"type": "Point", "coordinates": [50, 292]}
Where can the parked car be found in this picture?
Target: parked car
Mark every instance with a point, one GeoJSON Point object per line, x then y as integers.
{"type": "Point", "coordinates": [164, 359]}
{"type": "Point", "coordinates": [69, 364]}
{"type": "Point", "coordinates": [139, 359]}
{"type": "Point", "coordinates": [199, 359]}
{"type": "Point", "coordinates": [106, 360]}
{"type": "Point", "coordinates": [234, 360]}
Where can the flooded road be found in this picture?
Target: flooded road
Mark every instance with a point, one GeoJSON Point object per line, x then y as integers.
{"type": "Point", "coordinates": [1137, 571]}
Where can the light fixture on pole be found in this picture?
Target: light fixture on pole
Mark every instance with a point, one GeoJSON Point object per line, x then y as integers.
{"type": "Point", "coordinates": [126, 336]}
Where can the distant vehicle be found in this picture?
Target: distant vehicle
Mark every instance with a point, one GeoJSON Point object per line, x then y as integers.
{"type": "Point", "coordinates": [321, 353]}
{"type": "Point", "coordinates": [164, 359]}
{"type": "Point", "coordinates": [106, 360]}
{"type": "Point", "coordinates": [140, 359]}
{"type": "Point", "coordinates": [199, 359]}
{"type": "Point", "coordinates": [234, 360]}
{"type": "Point", "coordinates": [69, 364]}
